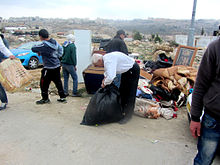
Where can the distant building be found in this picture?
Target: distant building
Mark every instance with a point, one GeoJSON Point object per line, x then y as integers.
{"type": "Point", "coordinates": [15, 28]}
{"type": "Point", "coordinates": [199, 41]}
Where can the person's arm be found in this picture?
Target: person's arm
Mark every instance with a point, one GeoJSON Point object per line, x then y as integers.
{"type": "Point", "coordinates": [73, 55]}
{"type": "Point", "coordinates": [123, 48]}
{"type": "Point", "coordinates": [38, 48]}
{"type": "Point", "coordinates": [60, 50]}
{"type": "Point", "coordinates": [5, 50]}
{"type": "Point", "coordinates": [205, 76]}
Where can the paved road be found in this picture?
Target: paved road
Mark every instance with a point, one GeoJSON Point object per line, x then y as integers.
{"type": "Point", "coordinates": [51, 135]}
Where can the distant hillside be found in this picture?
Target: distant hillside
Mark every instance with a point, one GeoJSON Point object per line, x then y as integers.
{"type": "Point", "coordinates": [109, 27]}
{"type": "Point", "coordinates": [165, 26]}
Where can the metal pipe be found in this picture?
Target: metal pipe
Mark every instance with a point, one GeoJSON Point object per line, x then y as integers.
{"type": "Point", "coordinates": [192, 26]}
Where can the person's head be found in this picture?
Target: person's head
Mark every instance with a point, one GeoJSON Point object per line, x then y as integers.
{"type": "Point", "coordinates": [70, 37]}
{"type": "Point", "coordinates": [121, 34]}
{"type": "Point", "coordinates": [2, 30]}
{"type": "Point", "coordinates": [97, 60]}
{"type": "Point", "coordinates": [43, 34]}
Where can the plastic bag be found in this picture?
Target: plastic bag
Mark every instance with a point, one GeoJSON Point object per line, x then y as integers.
{"type": "Point", "coordinates": [168, 113]}
{"type": "Point", "coordinates": [147, 108]}
{"type": "Point", "coordinates": [13, 75]}
{"type": "Point", "coordinates": [104, 107]}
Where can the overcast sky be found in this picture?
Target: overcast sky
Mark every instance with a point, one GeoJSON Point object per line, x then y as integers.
{"type": "Point", "coordinates": [110, 9]}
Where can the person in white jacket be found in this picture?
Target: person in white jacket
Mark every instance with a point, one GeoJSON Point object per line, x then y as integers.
{"type": "Point", "coordinates": [7, 53]}
{"type": "Point", "coordinates": [119, 63]}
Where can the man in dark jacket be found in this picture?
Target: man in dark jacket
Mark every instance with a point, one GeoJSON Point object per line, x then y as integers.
{"type": "Point", "coordinates": [69, 62]}
{"type": "Point", "coordinates": [50, 51]}
{"type": "Point", "coordinates": [206, 97]}
{"type": "Point", "coordinates": [117, 43]}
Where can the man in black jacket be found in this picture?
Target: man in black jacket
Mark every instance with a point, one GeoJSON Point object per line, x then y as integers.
{"type": "Point", "coordinates": [117, 43]}
{"type": "Point", "coordinates": [206, 96]}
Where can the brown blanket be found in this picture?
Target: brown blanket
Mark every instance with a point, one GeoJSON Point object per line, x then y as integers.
{"type": "Point", "coordinates": [180, 77]}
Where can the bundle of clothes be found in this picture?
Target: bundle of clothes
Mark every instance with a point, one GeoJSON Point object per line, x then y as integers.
{"type": "Point", "coordinates": [166, 91]}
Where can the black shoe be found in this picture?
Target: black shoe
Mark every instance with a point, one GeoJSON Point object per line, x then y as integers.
{"type": "Point", "coordinates": [42, 101]}
{"type": "Point", "coordinates": [62, 100]}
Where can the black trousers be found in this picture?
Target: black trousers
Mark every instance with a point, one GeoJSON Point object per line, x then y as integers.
{"type": "Point", "coordinates": [128, 89]}
{"type": "Point", "coordinates": [48, 75]}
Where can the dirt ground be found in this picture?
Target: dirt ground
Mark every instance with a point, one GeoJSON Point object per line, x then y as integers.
{"type": "Point", "coordinates": [51, 134]}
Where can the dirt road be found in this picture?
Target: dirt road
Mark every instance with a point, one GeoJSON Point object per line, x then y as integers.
{"type": "Point", "coordinates": [51, 134]}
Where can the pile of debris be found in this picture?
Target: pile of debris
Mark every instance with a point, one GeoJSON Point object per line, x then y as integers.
{"type": "Point", "coordinates": [167, 90]}
{"type": "Point", "coordinates": [150, 50]}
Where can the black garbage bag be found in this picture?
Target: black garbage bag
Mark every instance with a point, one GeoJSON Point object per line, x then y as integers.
{"type": "Point", "coordinates": [104, 107]}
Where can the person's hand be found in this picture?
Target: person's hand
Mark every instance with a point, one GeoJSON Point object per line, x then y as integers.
{"type": "Point", "coordinates": [12, 57]}
{"type": "Point", "coordinates": [75, 68]}
{"type": "Point", "coordinates": [195, 128]}
{"type": "Point", "coordinates": [103, 85]}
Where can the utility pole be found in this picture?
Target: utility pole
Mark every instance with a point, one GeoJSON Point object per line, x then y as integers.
{"type": "Point", "coordinates": [192, 27]}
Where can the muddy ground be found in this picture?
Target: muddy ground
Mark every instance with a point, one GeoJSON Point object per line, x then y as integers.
{"type": "Point", "coordinates": [51, 134]}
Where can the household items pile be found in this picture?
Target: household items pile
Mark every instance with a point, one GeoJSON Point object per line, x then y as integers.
{"type": "Point", "coordinates": [164, 92]}
{"type": "Point", "coordinates": [153, 110]}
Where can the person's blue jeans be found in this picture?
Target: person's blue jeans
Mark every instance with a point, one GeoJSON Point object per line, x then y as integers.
{"type": "Point", "coordinates": [117, 80]}
{"type": "Point", "coordinates": [70, 70]}
{"type": "Point", "coordinates": [3, 96]}
{"type": "Point", "coordinates": [208, 141]}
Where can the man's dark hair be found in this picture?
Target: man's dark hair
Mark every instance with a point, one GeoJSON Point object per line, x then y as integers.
{"type": "Point", "coordinates": [43, 33]}
{"type": "Point", "coordinates": [119, 32]}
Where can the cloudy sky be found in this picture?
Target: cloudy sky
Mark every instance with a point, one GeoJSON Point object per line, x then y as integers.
{"type": "Point", "coordinates": [110, 9]}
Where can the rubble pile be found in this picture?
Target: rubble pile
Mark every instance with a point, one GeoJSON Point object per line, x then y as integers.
{"type": "Point", "coordinates": [150, 50]}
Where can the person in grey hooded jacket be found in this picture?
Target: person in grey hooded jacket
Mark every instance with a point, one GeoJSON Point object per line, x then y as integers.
{"type": "Point", "coordinates": [50, 51]}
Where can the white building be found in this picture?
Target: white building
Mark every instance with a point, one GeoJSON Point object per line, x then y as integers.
{"type": "Point", "coordinates": [199, 41]}
{"type": "Point", "coordinates": [15, 28]}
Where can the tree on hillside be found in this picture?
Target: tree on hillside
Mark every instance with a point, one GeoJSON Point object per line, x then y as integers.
{"type": "Point", "coordinates": [137, 36]}
{"type": "Point", "coordinates": [157, 39]}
